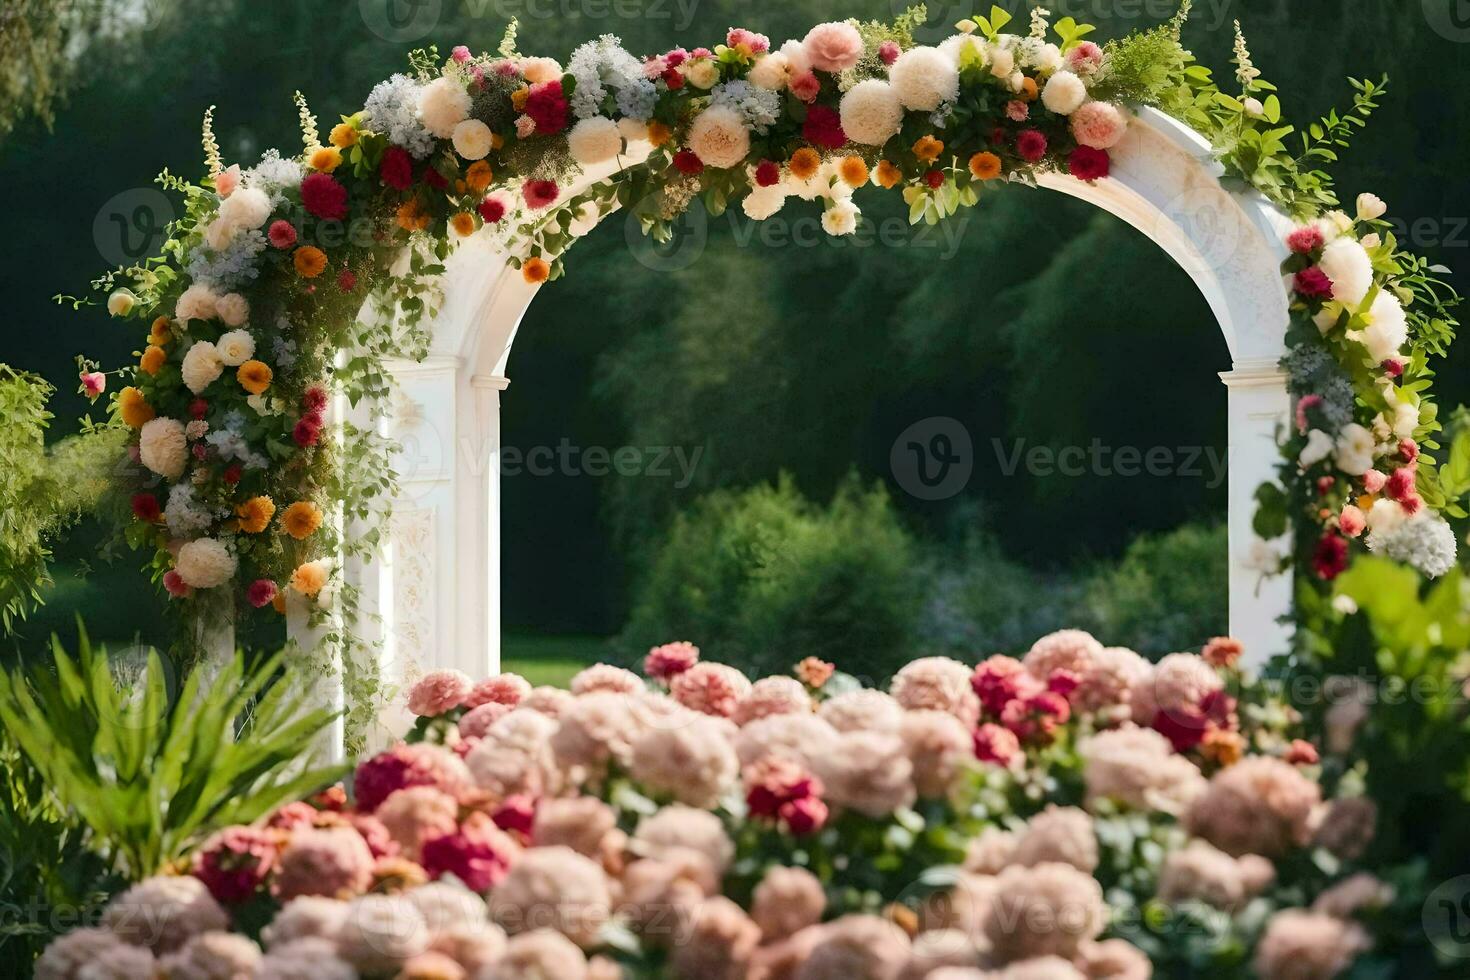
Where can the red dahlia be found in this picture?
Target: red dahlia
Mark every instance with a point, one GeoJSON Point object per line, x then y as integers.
{"type": "Point", "coordinates": [492, 209]}
{"type": "Point", "coordinates": [323, 197]}
{"type": "Point", "coordinates": [1031, 145]}
{"type": "Point", "coordinates": [396, 168]}
{"type": "Point", "coordinates": [540, 193]}
{"type": "Point", "coordinates": [1088, 163]}
{"type": "Point", "coordinates": [1312, 283]}
{"type": "Point", "coordinates": [145, 507]}
{"type": "Point", "coordinates": [768, 173]}
{"type": "Point", "coordinates": [688, 162]}
{"type": "Point", "coordinates": [547, 105]}
{"type": "Point", "coordinates": [823, 127]}
{"type": "Point", "coordinates": [1330, 558]}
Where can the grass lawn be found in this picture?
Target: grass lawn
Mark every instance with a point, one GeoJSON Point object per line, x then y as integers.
{"type": "Point", "coordinates": [549, 659]}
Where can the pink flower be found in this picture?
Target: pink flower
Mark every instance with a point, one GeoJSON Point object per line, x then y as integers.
{"type": "Point", "coordinates": [996, 744]}
{"type": "Point", "coordinates": [1099, 125]}
{"type": "Point", "coordinates": [547, 105]}
{"type": "Point", "coordinates": [665, 661]}
{"type": "Point", "coordinates": [1374, 480]}
{"type": "Point", "coordinates": [261, 592]}
{"type": "Point", "coordinates": [506, 689]}
{"type": "Point", "coordinates": [460, 53]}
{"type": "Point", "coordinates": [94, 383]}
{"type": "Point", "coordinates": [1330, 557]}
{"type": "Point", "coordinates": [1084, 57]}
{"type": "Point", "coordinates": [823, 127]}
{"type": "Point", "coordinates": [1017, 111]}
{"type": "Point", "coordinates": [752, 42]}
{"type": "Point", "coordinates": [293, 815]}
{"type": "Point", "coordinates": [1408, 451]}
{"type": "Point", "coordinates": [676, 57]}
{"type": "Point", "coordinates": [437, 692]}
{"type": "Point", "coordinates": [1305, 239]}
{"type": "Point", "coordinates": [1352, 520]}
{"type": "Point", "coordinates": [1393, 367]}
{"type": "Point", "coordinates": [804, 816]}
{"type": "Point", "coordinates": [834, 46]}
{"type": "Point", "coordinates": [1035, 719]}
{"type": "Point", "coordinates": [517, 815]}
{"type": "Point", "coordinates": [888, 52]}
{"type": "Point", "coordinates": [805, 86]}
{"type": "Point", "coordinates": [1303, 405]}
{"type": "Point", "coordinates": [1400, 484]}
{"type": "Point", "coordinates": [1312, 283]}
{"type": "Point", "coordinates": [1031, 145]}
{"type": "Point", "coordinates": [227, 180]}
{"type": "Point", "coordinates": [333, 861]}
{"type": "Point", "coordinates": [774, 781]}
{"type": "Point", "coordinates": [998, 681]}
{"type": "Point", "coordinates": [324, 197]}
{"type": "Point", "coordinates": [1086, 163]}
{"type": "Point", "coordinates": [1222, 651]}
{"type": "Point", "coordinates": [814, 672]}
{"type": "Point", "coordinates": [1412, 504]}
{"type": "Point", "coordinates": [478, 854]}
{"type": "Point", "coordinates": [234, 863]}
{"type": "Point", "coordinates": [540, 193]}
{"type": "Point", "coordinates": [407, 765]}
{"type": "Point", "coordinates": [654, 68]}
{"type": "Point", "coordinates": [281, 233]}
{"type": "Point", "coordinates": [1302, 753]}
{"type": "Point", "coordinates": [475, 722]}
{"type": "Point", "coordinates": [712, 688]}
{"type": "Point", "coordinates": [173, 582]}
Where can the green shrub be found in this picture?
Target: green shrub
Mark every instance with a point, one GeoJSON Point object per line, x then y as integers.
{"type": "Point", "coordinates": [1168, 592]}
{"type": "Point", "coordinates": [763, 577]}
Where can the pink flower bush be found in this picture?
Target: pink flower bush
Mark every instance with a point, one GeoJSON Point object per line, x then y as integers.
{"type": "Point", "coordinates": [713, 689]}
{"type": "Point", "coordinates": [407, 765]}
{"type": "Point", "coordinates": [334, 862]}
{"type": "Point", "coordinates": [663, 662]}
{"type": "Point", "coordinates": [478, 854]}
{"type": "Point", "coordinates": [235, 863]}
{"type": "Point", "coordinates": [506, 689]}
{"type": "Point", "coordinates": [437, 692]}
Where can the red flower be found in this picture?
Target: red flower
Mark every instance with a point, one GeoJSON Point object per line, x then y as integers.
{"type": "Point", "coordinates": [547, 105]}
{"type": "Point", "coordinates": [1312, 283]}
{"type": "Point", "coordinates": [1184, 728]}
{"type": "Point", "coordinates": [688, 163]}
{"type": "Point", "coordinates": [281, 234]}
{"type": "Point", "coordinates": [1087, 163]}
{"type": "Point", "coordinates": [396, 170]}
{"type": "Point", "coordinates": [767, 173]}
{"type": "Point", "coordinates": [346, 281]}
{"type": "Point", "coordinates": [995, 744]}
{"type": "Point", "coordinates": [1031, 144]}
{"type": "Point", "coordinates": [1063, 682]}
{"type": "Point", "coordinates": [174, 584]}
{"type": "Point", "coordinates": [435, 179]}
{"type": "Point", "coordinates": [998, 681]}
{"type": "Point", "coordinates": [307, 432]}
{"type": "Point", "coordinates": [261, 592]}
{"type": "Point", "coordinates": [492, 209]}
{"type": "Point", "coordinates": [315, 399]}
{"type": "Point", "coordinates": [1393, 367]}
{"type": "Point", "coordinates": [1408, 451]}
{"type": "Point", "coordinates": [934, 178]}
{"type": "Point", "coordinates": [1412, 504]}
{"type": "Point", "coordinates": [823, 127]}
{"type": "Point", "coordinates": [1330, 557]}
{"type": "Point", "coordinates": [804, 816]}
{"type": "Point", "coordinates": [517, 815]}
{"type": "Point", "coordinates": [479, 854]}
{"type": "Point", "coordinates": [1302, 753]}
{"type": "Point", "coordinates": [1400, 483]}
{"type": "Point", "coordinates": [322, 196]}
{"type": "Point", "coordinates": [198, 408]}
{"type": "Point", "coordinates": [540, 193]}
{"type": "Point", "coordinates": [145, 507]}
{"type": "Point", "coordinates": [232, 474]}
{"type": "Point", "coordinates": [673, 78]}
{"type": "Point", "coordinates": [236, 862]}
{"type": "Point", "coordinates": [1307, 238]}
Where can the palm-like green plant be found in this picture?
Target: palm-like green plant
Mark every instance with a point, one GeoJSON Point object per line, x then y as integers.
{"type": "Point", "coordinates": [148, 776]}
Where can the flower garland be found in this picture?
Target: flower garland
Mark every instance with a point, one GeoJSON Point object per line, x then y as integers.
{"type": "Point", "coordinates": [295, 278]}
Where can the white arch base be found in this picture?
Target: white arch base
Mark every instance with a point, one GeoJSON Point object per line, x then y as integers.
{"type": "Point", "coordinates": [437, 585]}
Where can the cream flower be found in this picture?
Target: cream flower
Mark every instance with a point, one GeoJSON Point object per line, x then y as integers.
{"type": "Point", "coordinates": [595, 140]}
{"type": "Point", "coordinates": [841, 218]}
{"type": "Point", "coordinates": [247, 208]}
{"type": "Point", "coordinates": [443, 105]}
{"type": "Point", "coordinates": [1064, 93]}
{"type": "Point", "coordinates": [198, 302]}
{"type": "Point", "coordinates": [924, 78]}
{"type": "Point", "coordinates": [1387, 327]}
{"type": "Point", "coordinates": [1370, 206]}
{"type": "Point", "coordinates": [762, 202]}
{"type": "Point", "coordinates": [472, 139]}
{"type": "Point", "coordinates": [693, 762]}
{"type": "Point", "coordinates": [1346, 263]}
{"type": "Point", "coordinates": [556, 887]}
{"type": "Point", "coordinates": [719, 137]}
{"type": "Point", "coordinates": [1319, 446]}
{"type": "Point", "coordinates": [233, 309]}
{"type": "Point", "coordinates": [235, 348]}
{"type": "Point", "coordinates": [163, 447]}
{"type": "Point", "coordinates": [205, 563]}
{"type": "Point", "coordinates": [202, 366]}
{"type": "Point", "coordinates": [770, 72]}
{"type": "Point", "coordinates": [871, 112]}
{"type": "Point", "coordinates": [121, 302]}
{"type": "Point", "coordinates": [1355, 446]}
{"type": "Point", "coordinates": [701, 73]}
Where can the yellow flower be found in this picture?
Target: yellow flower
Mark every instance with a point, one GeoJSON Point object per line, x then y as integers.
{"type": "Point", "coordinates": [158, 335]}
{"type": "Point", "coordinates": [928, 149]}
{"type": "Point", "coordinates": [853, 170]}
{"type": "Point", "coordinates": [255, 514]}
{"type": "Point", "coordinates": [805, 163]}
{"type": "Point", "coordinates": [133, 408]}
{"type": "Point", "coordinates": [518, 98]}
{"type": "Point", "coordinates": [659, 133]}
{"type": "Point", "coordinates": [153, 359]}
{"type": "Point", "coordinates": [985, 165]}
{"type": "Point", "coordinates": [343, 135]}
{"type": "Point", "coordinates": [327, 159]}
{"type": "Point", "coordinates": [410, 216]}
{"type": "Point", "coordinates": [535, 270]}
{"type": "Point", "coordinates": [309, 578]}
{"type": "Point", "coordinates": [463, 223]}
{"type": "Point", "coordinates": [1028, 89]}
{"type": "Point", "coordinates": [310, 261]}
{"type": "Point", "coordinates": [301, 519]}
{"type": "Point", "coordinates": [478, 177]}
{"type": "Point", "coordinates": [254, 376]}
{"type": "Point", "coordinates": [887, 176]}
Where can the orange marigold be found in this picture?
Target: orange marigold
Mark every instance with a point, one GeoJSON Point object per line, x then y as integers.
{"type": "Point", "coordinates": [301, 519]}
{"type": "Point", "coordinates": [928, 148]}
{"type": "Point", "coordinates": [308, 579]}
{"type": "Point", "coordinates": [478, 176]}
{"type": "Point", "coordinates": [310, 261]}
{"type": "Point", "coordinates": [411, 216]}
{"type": "Point", "coordinates": [463, 223]}
{"type": "Point", "coordinates": [254, 376]}
{"type": "Point", "coordinates": [853, 171]}
{"type": "Point", "coordinates": [158, 334]}
{"type": "Point", "coordinates": [153, 358]}
{"type": "Point", "coordinates": [343, 135]}
{"type": "Point", "coordinates": [133, 408]}
{"type": "Point", "coordinates": [1028, 89]}
{"type": "Point", "coordinates": [886, 175]}
{"type": "Point", "coordinates": [985, 165]}
{"type": "Point", "coordinates": [805, 163]}
{"type": "Point", "coordinates": [326, 159]}
{"type": "Point", "coordinates": [658, 133]}
{"type": "Point", "coordinates": [255, 514]}
{"type": "Point", "coordinates": [535, 270]}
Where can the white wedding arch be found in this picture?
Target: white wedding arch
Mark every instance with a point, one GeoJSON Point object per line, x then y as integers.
{"type": "Point", "coordinates": [435, 585]}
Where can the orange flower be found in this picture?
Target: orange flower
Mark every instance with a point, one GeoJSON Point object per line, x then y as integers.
{"type": "Point", "coordinates": [805, 163]}
{"type": "Point", "coordinates": [478, 177]}
{"type": "Point", "coordinates": [152, 360]}
{"type": "Point", "coordinates": [462, 223]}
{"type": "Point", "coordinates": [1222, 746]}
{"type": "Point", "coordinates": [535, 270]}
{"type": "Point", "coordinates": [158, 335]}
{"type": "Point", "coordinates": [518, 98]}
{"type": "Point", "coordinates": [343, 135]}
{"type": "Point", "coordinates": [1028, 89]}
{"type": "Point", "coordinates": [411, 217]}
{"type": "Point", "coordinates": [496, 141]}
{"type": "Point", "coordinates": [326, 159]}
{"type": "Point", "coordinates": [254, 376]}
{"type": "Point", "coordinates": [658, 133]}
{"type": "Point", "coordinates": [309, 578]}
{"type": "Point", "coordinates": [310, 261]}
{"type": "Point", "coordinates": [928, 148]}
{"type": "Point", "coordinates": [853, 170]}
{"type": "Point", "coordinates": [985, 165]}
{"type": "Point", "coordinates": [1366, 501]}
{"type": "Point", "coordinates": [133, 408]}
{"type": "Point", "coordinates": [255, 514]}
{"type": "Point", "coordinates": [301, 519]}
{"type": "Point", "coordinates": [278, 603]}
{"type": "Point", "coordinates": [887, 175]}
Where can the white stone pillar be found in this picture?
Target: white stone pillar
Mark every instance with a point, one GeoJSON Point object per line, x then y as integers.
{"type": "Point", "coordinates": [1259, 409]}
{"type": "Point", "coordinates": [310, 649]}
{"type": "Point", "coordinates": [478, 514]}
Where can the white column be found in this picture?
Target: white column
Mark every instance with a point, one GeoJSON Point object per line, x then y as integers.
{"type": "Point", "coordinates": [311, 649]}
{"type": "Point", "coordinates": [1259, 409]}
{"type": "Point", "coordinates": [477, 484]}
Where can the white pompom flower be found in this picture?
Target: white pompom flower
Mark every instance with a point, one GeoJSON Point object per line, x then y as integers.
{"type": "Point", "coordinates": [235, 348]}
{"type": "Point", "coordinates": [840, 218]}
{"type": "Point", "coordinates": [247, 208]}
{"type": "Point", "coordinates": [719, 137]}
{"type": "Point", "coordinates": [762, 202]}
{"type": "Point", "coordinates": [201, 367]}
{"type": "Point", "coordinates": [1064, 93]}
{"type": "Point", "coordinates": [233, 309]}
{"type": "Point", "coordinates": [1387, 327]}
{"type": "Point", "coordinates": [1347, 264]}
{"type": "Point", "coordinates": [205, 563]}
{"type": "Point", "coordinates": [163, 447]}
{"type": "Point", "coordinates": [924, 78]}
{"type": "Point", "coordinates": [443, 104]}
{"type": "Point", "coordinates": [594, 140]}
{"type": "Point", "coordinates": [770, 72]}
{"type": "Point", "coordinates": [871, 112]}
{"type": "Point", "coordinates": [198, 302]}
{"type": "Point", "coordinates": [473, 139]}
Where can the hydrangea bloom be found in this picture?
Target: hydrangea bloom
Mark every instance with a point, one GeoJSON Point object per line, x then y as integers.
{"type": "Point", "coordinates": [392, 108]}
{"type": "Point", "coordinates": [601, 65]}
{"type": "Point", "coordinates": [760, 108]}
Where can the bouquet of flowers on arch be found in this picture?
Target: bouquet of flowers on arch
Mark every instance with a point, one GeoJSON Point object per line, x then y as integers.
{"type": "Point", "coordinates": [1076, 813]}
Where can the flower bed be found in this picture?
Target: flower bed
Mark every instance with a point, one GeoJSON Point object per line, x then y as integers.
{"type": "Point", "coordinates": [1078, 812]}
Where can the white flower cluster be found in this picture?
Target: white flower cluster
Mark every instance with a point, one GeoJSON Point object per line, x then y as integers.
{"type": "Point", "coordinates": [393, 108]}
{"type": "Point", "coordinates": [184, 514]}
{"type": "Point", "coordinates": [604, 64]}
{"type": "Point", "coordinates": [1425, 540]}
{"type": "Point", "coordinates": [274, 174]}
{"type": "Point", "coordinates": [760, 108]}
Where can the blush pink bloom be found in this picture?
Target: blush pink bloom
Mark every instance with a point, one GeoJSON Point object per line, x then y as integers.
{"type": "Point", "coordinates": [1352, 520]}
{"type": "Point", "coordinates": [173, 582]}
{"type": "Point", "coordinates": [750, 40]}
{"type": "Point", "coordinates": [261, 592]}
{"type": "Point", "coordinates": [1304, 239]}
{"type": "Point", "coordinates": [888, 52]}
{"type": "Point", "coordinates": [94, 383]}
{"type": "Point", "coordinates": [478, 854]}
{"type": "Point", "coordinates": [1084, 57]}
{"type": "Point", "coordinates": [507, 689]}
{"type": "Point", "coordinates": [540, 193]}
{"type": "Point", "coordinates": [333, 861]}
{"type": "Point", "coordinates": [714, 689]}
{"type": "Point", "coordinates": [663, 662]}
{"type": "Point", "coordinates": [999, 680]}
{"type": "Point", "coordinates": [996, 744]}
{"type": "Point", "coordinates": [235, 863]}
{"type": "Point", "coordinates": [407, 765]}
{"type": "Point", "coordinates": [437, 692]}
{"type": "Point", "coordinates": [834, 46]}
{"type": "Point", "coordinates": [1305, 404]}
{"type": "Point", "coordinates": [475, 722]}
{"type": "Point", "coordinates": [1017, 111]}
{"type": "Point", "coordinates": [460, 53]}
{"type": "Point", "coordinates": [281, 234]}
{"type": "Point", "coordinates": [1099, 125]}
{"type": "Point", "coordinates": [227, 180]}
{"type": "Point", "coordinates": [805, 86]}
{"type": "Point", "coordinates": [1222, 651]}
{"type": "Point", "coordinates": [517, 815]}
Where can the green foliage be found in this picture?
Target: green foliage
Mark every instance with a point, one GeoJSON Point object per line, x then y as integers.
{"type": "Point", "coordinates": [762, 578]}
{"type": "Point", "coordinates": [150, 775]}
{"type": "Point", "coordinates": [1169, 591]}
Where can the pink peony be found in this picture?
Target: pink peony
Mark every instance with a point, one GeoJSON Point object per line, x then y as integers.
{"type": "Point", "coordinates": [1312, 283]}
{"type": "Point", "coordinates": [477, 721]}
{"type": "Point", "coordinates": [663, 662]}
{"type": "Point", "coordinates": [605, 677]}
{"type": "Point", "coordinates": [235, 863]}
{"type": "Point", "coordinates": [1374, 480]}
{"type": "Point", "coordinates": [507, 689]}
{"type": "Point", "coordinates": [460, 53]}
{"type": "Point", "coordinates": [1031, 145]}
{"type": "Point", "coordinates": [753, 43]}
{"type": "Point", "coordinates": [1084, 57]}
{"type": "Point", "coordinates": [437, 692]}
{"type": "Point", "coordinates": [712, 688]}
{"type": "Point", "coordinates": [174, 584]}
{"type": "Point", "coordinates": [478, 854]}
{"type": "Point", "coordinates": [1099, 125]}
{"type": "Point", "coordinates": [516, 815]}
{"type": "Point", "coordinates": [888, 52]}
{"type": "Point", "coordinates": [1304, 239]}
{"type": "Point", "coordinates": [1035, 719]}
{"type": "Point", "coordinates": [1260, 805]}
{"type": "Point", "coordinates": [334, 862]}
{"type": "Point", "coordinates": [1352, 520]}
{"type": "Point", "coordinates": [281, 234]}
{"type": "Point", "coordinates": [773, 782]}
{"type": "Point", "coordinates": [805, 86]}
{"type": "Point", "coordinates": [998, 680]}
{"type": "Point", "coordinates": [407, 765]}
{"type": "Point", "coordinates": [996, 744]}
{"type": "Point", "coordinates": [261, 592]}
{"type": "Point", "coordinates": [1222, 651]}
{"type": "Point", "coordinates": [773, 696]}
{"type": "Point", "coordinates": [418, 814]}
{"type": "Point", "coordinates": [833, 47]}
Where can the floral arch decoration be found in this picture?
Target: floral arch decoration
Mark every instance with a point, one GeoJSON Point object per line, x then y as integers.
{"type": "Point", "coordinates": [291, 291]}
